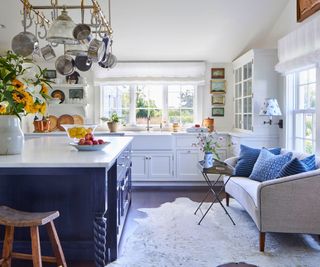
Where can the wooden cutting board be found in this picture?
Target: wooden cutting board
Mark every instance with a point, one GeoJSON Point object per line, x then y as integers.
{"type": "Point", "coordinates": [64, 119]}
{"type": "Point", "coordinates": [53, 123]}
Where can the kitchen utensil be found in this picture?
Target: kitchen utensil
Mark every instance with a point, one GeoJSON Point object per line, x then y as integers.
{"type": "Point", "coordinates": [58, 94]}
{"type": "Point", "coordinates": [96, 50]}
{"type": "Point", "coordinates": [78, 119]}
{"type": "Point", "coordinates": [110, 62]}
{"type": "Point", "coordinates": [73, 78]}
{"type": "Point", "coordinates": [64, 119]}
{"type": "Point", "coordinates": [24, 43]}
{"type": "Point", "coordinates": [48, 52]}
{"type": "Point", "coordinates": [65, 65]}
{"type": "Point", "coordinates": [53, 123]}
{"type": "Point", "coordinates": [106, 41]}
{"type": "Point", "coordinates": [77, 49]}
{"type": "Point", "coordinates": [90, 147]}
{"type": "Point", "coordinates": [81, 31]}
{"type": "Point", "coordinates": [83, 63]}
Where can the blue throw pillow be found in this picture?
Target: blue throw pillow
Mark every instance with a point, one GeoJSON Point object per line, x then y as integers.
{"type": "Point", "coordinates": [268, 165]}
{"type": "Point", "coordinates": [248, 157]}
{"type": "Point", "coordinates": [296, 166]}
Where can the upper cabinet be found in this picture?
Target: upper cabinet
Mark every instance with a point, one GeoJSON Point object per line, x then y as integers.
{"type": "Point", "coordinates": [254, 80]}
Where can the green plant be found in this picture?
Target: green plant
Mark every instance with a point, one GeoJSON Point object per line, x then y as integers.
{"type": "Point", "coordinates": [209, 142]}
{"type": "Point", "coordinates": [114, 118]}
{"type": "Point", "coordinates": [23, 90]}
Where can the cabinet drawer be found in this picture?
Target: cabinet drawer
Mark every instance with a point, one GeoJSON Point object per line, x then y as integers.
{"type": "Point", "coordinates": [186, 142]}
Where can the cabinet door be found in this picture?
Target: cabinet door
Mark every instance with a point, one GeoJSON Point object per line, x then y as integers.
{"type": "Point", "coordinates": [161, 166]}
{"type": "Point", "coordinates": [187, 161]}
{"type": "Point", "coordinates": [139, 167]}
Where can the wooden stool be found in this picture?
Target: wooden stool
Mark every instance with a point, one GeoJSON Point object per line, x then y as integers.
{"type": "Point", "coordinates": [11, 218]}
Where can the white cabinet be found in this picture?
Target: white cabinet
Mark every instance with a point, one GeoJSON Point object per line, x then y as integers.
{"type": "Point", "coordinates": [187, 169]}
{"type": "Point", "coordinates": [152, 166]}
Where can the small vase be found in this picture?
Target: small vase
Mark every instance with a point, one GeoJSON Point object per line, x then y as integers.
{"type": "Point", "coordinates": [113, 126]}
{"type": "Point", "coordinates": [208, 160]}
{"type": "Point", "coordinates": [11, 135]}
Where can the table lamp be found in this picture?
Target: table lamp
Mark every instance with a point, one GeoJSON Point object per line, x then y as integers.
{"type": "Point", "coordinates": [271, 108]}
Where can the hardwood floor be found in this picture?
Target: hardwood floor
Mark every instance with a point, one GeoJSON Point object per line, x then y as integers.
{"type": "Point", "coordinates": [143, 198]}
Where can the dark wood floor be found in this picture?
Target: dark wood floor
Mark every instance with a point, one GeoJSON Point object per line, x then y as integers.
{"type": "Point", "coordinates": [142, 198]}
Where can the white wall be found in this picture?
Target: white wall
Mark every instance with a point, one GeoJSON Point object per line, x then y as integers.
{"type": "Point", "coordinates": [221, 123]}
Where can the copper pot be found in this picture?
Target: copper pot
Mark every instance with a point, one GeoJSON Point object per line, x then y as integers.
{"type": "Point", "coordinates": [41, 126]}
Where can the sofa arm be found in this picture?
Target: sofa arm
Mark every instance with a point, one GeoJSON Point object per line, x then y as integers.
{"type": "Point", "coordinates": [290, 204]}
{"type": "Point", "coordinates": [232, 161]}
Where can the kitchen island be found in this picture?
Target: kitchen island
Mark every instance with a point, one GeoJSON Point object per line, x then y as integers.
{"type": "Point", "coordinates": [91, 190]}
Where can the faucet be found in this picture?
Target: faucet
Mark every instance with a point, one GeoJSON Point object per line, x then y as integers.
{"type": "Point", "coordinates": [148, 123]}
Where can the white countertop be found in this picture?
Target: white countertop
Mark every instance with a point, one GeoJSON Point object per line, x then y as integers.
{"type": "Point", "coordinates": [55, 152]}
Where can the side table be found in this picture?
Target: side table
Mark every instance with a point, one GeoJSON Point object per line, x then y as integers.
{"type": "Point", "coordinates": [221, 168]}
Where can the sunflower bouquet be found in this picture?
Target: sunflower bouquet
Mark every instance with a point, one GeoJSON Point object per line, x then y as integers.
{"type": "Point", "coordinates": [23, 90]}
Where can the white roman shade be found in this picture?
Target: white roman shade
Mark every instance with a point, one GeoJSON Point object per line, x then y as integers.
{"type": "Point", "coordinates": [300, 48]}
{"type": "Point", "coordinates": [152, 71]}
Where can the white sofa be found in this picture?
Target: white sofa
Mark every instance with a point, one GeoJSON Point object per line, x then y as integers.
{"type": "Point", "coordinates": [286, 205]}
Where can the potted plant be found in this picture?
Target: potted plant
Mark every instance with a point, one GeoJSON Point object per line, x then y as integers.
{"type": "Point", "coordinates": [112, 122]}
{"type": "Point", "coordinates": [208, 143]}
{"type": "Point", "coordinates": [23, 90]}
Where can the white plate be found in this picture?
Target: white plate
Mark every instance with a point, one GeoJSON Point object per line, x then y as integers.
{"type": "Point", "coordinates": [90, 147]}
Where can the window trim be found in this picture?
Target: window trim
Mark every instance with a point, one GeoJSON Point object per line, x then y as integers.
{"type": "Point", "coordinates": [131, 125]}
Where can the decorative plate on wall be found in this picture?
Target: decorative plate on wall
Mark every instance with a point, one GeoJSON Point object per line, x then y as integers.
{"type": "Point", "coordinates": [78, 119]}
{"type": "Point", "coordinates": [58, 94]}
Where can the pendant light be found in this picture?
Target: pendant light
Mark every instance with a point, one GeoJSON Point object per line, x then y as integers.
{"type": "Point", "coordinates": [61, 30]}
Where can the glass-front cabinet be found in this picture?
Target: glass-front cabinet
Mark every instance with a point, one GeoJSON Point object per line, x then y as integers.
{"type": "Point", "coordinates": [243, 97]}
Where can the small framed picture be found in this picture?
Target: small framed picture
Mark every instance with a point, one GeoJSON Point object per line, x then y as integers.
{"type": "Point", "coordinates": [217, 86]}
{"type": "Point", "coordinates": [217, 99]}
{"type": "Point", "coordinates": [217, 112]}
{"type": "Point", "coordinates": [217, 73]}
{"type": "Point", "coordinates": [50, 74]}
{"type": "Point", "coordinates": [76, 93]}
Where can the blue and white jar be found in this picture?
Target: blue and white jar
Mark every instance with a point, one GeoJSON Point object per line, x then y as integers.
{"type": "Point", "coordinates": [208, 160]}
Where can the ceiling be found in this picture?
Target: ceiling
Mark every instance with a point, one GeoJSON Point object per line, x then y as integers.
{"type": "Point", "coordinates": [212, 30]}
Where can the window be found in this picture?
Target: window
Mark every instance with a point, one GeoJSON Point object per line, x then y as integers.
{"type": "Point", "coordinates": [304, 111]}
{"type": "Point", "coordinates": [159, 102]}
{"type": "Point", "coordinates": [243, 97]}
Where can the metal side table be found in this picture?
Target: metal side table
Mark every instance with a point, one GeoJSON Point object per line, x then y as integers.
{"type": "Point", "coordinates": [220, 168]}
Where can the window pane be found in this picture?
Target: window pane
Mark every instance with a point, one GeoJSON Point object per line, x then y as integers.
{"type": "Point", "coordinates": [299, 125]}
{"type": "Point", "coordinates": [312, 75]}
{"type": "Point", "coordinates": [308, 126]}
{"type": "Point", "coordinates": [155, 116]}
{"type": "Point", "coordinates": [303, 97]}
{"type": "Point", "coordinates": [303, 77]}
{"type": "Point", "coordinates": [187, 96]}
{"type": "Point", "coordinates": [312, 96]}
{"type": "Point", "coordinates": [174, 97]}
{"type": "Point", "coordinates": [308, 146]}
{"type": "Point", "coordinates": [186, 116]}
{"type": "Point", "coordinates": [174, 115]}
{"type": "Point", "coordinates": [141, 116]}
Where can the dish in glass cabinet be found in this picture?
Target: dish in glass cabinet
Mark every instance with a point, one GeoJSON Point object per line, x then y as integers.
{"type": "Point", "coordinates": [89, 147]}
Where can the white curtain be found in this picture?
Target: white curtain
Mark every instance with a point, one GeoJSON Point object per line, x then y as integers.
{"type": "Point", "coordinates": [191, 70]}
{"type": "Point", "coordinates": [300, 48]}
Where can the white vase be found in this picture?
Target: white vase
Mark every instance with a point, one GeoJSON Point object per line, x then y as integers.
{"type": "Point", "coordinates": [208, 160]}
{"type": "Point", "coordinates": [11, 135]}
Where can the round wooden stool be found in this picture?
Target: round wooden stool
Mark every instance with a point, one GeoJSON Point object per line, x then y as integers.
{"type": "Point", "coordinates": [11, 218]}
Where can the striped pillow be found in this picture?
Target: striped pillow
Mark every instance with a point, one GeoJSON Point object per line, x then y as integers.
{"type": "Point", "coordinates": [296, 166]}
{"type": "Point", "coordinates": [248, 157]}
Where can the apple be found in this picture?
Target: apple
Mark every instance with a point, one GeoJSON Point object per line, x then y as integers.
{"type": "Point", "coordinates": [88, 136]}
{"type": "Point", "coordinates": [81, 141]}
{"type": "Point", "coordinates": [88, 143]}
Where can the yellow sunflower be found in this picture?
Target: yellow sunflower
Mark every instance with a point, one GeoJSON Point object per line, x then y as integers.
{"type": "Point", "coordinates": [43, 108]}
{"type": "Point", "coordinates": [44, 89]}
{"type": "Point", "coordinates": [18, 85]}
{"type": "Point", "coordinates": [3, 108]}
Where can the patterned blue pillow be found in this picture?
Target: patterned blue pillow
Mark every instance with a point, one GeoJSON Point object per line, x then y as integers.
{"type": "Point", "coordinates": [247, 159]}
{"type": "Point", "coordinates": [296, 166]}
{"type": "Point", "coordinates": [268, 165]}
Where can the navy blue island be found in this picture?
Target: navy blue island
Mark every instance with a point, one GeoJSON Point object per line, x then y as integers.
{"type": "Point", "coordinates": [91, 190]}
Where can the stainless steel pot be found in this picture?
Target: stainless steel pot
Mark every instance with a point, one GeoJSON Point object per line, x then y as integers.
{"type": "Point", "coordinates": [110, 61]}
{"type": "Point", "coordinates": [83, 63]}
{"type": "Point", "coordinates": [65, 65]}
{"type": "Point", "coordinates": [96, 50]}
{"type": "Point", "coordinates": [82, 31]}
{"type": "Point", "coordinates": [24, 43]}
{"type": "Point", "coordinates": [76, 50]}
{"type": "Point", "coordinates": [48, 52]}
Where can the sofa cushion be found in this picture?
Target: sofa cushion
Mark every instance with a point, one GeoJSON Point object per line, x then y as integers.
{"type": "Point", "coordinates": [248, 157]}
{"type": "Point", "coordinates": [268, 165]}
{"type": "Point", "coordinates": [297, 166]}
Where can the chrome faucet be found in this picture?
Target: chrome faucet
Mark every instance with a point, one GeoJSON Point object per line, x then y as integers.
{"type": "Point", "coordinates": [148, 123]}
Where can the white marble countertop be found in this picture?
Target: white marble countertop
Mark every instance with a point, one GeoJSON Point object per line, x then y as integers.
{"type": "Point", "coordinates": [55, 152]}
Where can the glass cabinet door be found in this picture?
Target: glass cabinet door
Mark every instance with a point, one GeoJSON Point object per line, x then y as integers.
{"type": "Point", "coordinates": [243, 97]}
